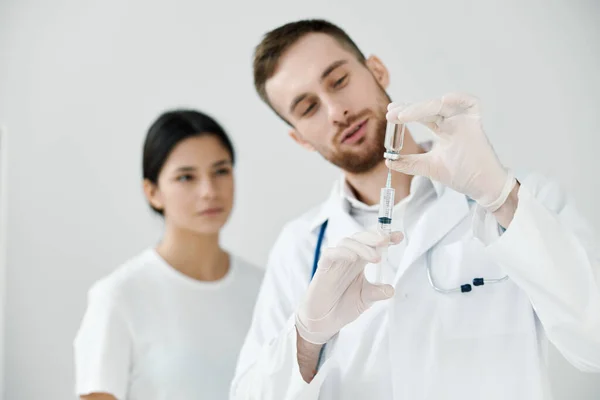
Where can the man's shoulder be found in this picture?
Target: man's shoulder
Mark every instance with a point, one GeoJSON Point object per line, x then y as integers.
{"type": "Point", "coordinates": [305, 224]}
{"type": "Point", "coordinates": [540, 185]}
{"type": "Point", "coordinates": [298, 237]}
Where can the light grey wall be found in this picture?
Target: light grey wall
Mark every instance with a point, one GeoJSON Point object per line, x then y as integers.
{"type": "Point", "coordinates": [80, 82]}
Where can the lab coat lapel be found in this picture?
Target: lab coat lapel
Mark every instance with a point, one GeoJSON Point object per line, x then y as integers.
{"type": "Point", "coordinates": [439, 219]}
{"type": "Point", "coordinates": [336, 210]}
{"type": "Point", "coordinates": [341, 225]}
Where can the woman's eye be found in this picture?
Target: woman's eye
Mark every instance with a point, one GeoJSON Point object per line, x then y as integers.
{"type": "Point", "coordinates": [223, 171]}
{"type": "Point", "coordinates": [185, 178]}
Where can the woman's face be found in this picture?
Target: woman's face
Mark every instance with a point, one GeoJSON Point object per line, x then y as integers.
{"type": "Point", "coordinates": [195, 186]}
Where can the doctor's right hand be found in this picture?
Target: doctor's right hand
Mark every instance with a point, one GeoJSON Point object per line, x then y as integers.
{"type": "Point", "coordinates": [339, 292]}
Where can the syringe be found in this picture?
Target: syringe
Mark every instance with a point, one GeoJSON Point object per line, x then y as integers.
{"type": "Point", "coordinates": [394, 141]}
{"type": "Point", "coordinates": [384, 222]}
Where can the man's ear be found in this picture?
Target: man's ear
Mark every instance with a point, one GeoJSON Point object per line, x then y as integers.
{"type": "Point", "coordinates": [379, 71]}
{"type": "Point", "coordinates": [153, 195]}
{"type": "Point", "coordinates": [298, 139]}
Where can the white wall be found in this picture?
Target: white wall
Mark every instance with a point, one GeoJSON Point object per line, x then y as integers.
{"type": "Point", "coordinates": [81, 81]}
{"type": "Point", "coordinates": [3, 241]}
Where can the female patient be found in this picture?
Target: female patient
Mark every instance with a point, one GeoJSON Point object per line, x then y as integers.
{"type": "Point", "coordinates": [168, 323]}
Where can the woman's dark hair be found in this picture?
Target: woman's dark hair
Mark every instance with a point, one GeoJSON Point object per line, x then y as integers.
{"type": "Point", "coordinates": [170, 129]}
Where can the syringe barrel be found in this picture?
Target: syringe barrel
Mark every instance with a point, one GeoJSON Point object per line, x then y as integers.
{"type": "Point", "coordinates": [386, 208]}
{"type": "Point", "coordinates": [386, 205]}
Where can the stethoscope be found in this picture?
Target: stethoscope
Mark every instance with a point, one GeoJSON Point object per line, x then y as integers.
{"type": "Point", "coordinates": [465, 288]}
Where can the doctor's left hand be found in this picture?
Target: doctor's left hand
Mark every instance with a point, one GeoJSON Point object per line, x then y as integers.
{"type": "Point", "coordinates": [339, 292]}
{"type": "Point", "coordinates": [462, 158]}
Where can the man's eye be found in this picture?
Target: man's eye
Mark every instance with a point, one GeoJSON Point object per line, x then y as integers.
{"type": "Point", "coordinates": [340, 81]}
{"type": "Point", "coordinates": [309, 109]}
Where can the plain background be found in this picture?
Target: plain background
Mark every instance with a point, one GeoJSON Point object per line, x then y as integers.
{"type": "Point", "coordinates": [81, 81]}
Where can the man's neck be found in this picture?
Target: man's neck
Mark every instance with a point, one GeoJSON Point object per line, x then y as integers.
{"type": "Point", "coordinates": [367, 186]}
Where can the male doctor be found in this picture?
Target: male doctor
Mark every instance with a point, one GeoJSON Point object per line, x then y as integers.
{"type": "Point", "coordinates": [432, 331]}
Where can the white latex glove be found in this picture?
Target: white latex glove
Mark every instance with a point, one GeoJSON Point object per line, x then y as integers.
{"type": "Point", "coordinates": [462, 158]}
{"type": "Point", "coordinates": [339, 291]}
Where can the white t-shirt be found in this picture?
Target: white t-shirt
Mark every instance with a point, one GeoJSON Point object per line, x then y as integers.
{"type": "Point", "coordinates": [151, 332]}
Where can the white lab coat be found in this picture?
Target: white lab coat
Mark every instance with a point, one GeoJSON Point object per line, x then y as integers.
{"type": "Point", "coordinates": [488, 344]}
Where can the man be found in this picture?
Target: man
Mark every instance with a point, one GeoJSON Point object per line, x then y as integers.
{"type": "Point", "coordinates": [431, 331]}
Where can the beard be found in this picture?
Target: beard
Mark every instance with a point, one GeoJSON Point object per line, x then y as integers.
{"type": "Point", "coordinates": [366, 153]}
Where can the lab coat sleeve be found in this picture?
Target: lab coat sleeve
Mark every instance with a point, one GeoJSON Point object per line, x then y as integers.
{"type": "Point", "coordinates": [267, 366]}
{"type": "Point", "coordinates": [552, 254]}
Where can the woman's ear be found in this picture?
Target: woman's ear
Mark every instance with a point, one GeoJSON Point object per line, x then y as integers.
{"type": "Point", "coordinates": [153, 194]}
{"type": "Point", "coordinates": [379, 71]}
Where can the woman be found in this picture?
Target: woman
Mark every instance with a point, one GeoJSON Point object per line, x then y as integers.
{"type": "Point", "coordinates": [168, 323]}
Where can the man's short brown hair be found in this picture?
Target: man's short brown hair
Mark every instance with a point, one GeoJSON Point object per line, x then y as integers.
{"type": "Point", "coordinates": [276, 42]}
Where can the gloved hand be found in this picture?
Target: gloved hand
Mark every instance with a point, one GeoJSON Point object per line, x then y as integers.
{"type": "Point", "coordinates": [462, 158]}
{"type": "Point", "coordinates": [339, 291]}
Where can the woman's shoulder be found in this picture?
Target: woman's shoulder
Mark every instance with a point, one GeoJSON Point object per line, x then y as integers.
{"type": "Point", "coordinates": [124, 280]}
{"type": "Point", "coordinates": [247, 270]}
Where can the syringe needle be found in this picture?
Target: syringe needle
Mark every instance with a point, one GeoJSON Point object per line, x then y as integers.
{"type": "Point", "coordinates": [388, 182]}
